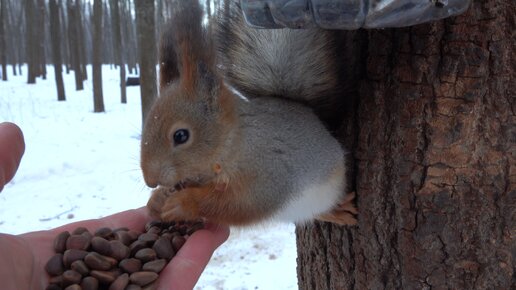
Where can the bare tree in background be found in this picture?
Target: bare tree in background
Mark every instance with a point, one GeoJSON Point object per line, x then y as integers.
{"type": "Point", "coordinates": [117, 47]}
{"type": "Point", "coordinates": [98, 99]}
{"type": "Point", "coordinates": [147, 52]}
{"type": "Point", "coordinates": [40, 51]}
{"type": "Point", "coordinates": [432, 131]}
{"type": "Point", "coordinates": [55, 35]}
{"type": "Point", "coordinates": [107, 46]}
{"type": "Point", "coordinates": [87, 26]}
{"type": "Point", "coordinates": [3, 39]}
{"type": "Point", "coordinates": [73, 41]}
{"type": "Point", "coordinates": [129, 36]}
{"type": "Point", "coordinates": [80, 23]}
{"type": "Point", "coordinates": [65, 44]}
{"type": "Point", "coordinates": [12, 38]}
{"type": "Point", "coordinates": [21, 31]}
{"type": "Point", "coordinates": [30, 40]}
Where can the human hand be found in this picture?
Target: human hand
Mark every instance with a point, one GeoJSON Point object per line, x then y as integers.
{"type": "Point", "coordinates": [24, 256]}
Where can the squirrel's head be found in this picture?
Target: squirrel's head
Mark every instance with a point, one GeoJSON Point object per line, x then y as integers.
{"type": "Point", "coordinates": [189, 125]}
{"type": "Point", "coordinates": [185, 132]}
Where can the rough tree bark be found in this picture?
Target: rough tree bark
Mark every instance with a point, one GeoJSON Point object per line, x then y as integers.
{"type": "Point", "coordinates": [55, 35]}
{"type": "Point", "coordinates": [147, 53]}
{"type": "Point", "coordinates": [98, 98]}
{"type": "Point", "coordinates": [432, 134]}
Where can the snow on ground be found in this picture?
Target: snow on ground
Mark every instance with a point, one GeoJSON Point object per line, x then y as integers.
{"type": "Point", "coordinates": [80, 165]}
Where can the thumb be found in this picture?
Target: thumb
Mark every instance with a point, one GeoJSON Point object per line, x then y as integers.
{"type": "Point", "coordinates": [12, 146]}
{"type": "Point", "coordinates": [184, 270]}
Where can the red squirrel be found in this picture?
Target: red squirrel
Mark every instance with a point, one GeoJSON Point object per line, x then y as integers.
{"type": "Point", "coordinates": [233, 138]}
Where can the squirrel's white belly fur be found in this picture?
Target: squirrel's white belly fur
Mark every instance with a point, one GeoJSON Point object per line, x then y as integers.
{"type": "Point", "coordinates": [312, 201]}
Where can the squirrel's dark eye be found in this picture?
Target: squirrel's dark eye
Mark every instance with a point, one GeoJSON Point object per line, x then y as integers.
{"type": "Point", "coordinates": [181, 136]}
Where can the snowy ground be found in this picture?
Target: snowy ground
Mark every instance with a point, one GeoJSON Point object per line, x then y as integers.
{"type": "Point", "coordinates": [80, 165]}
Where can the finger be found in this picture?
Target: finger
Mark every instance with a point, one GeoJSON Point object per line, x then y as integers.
{"type": "Point", "coordinates": [12, 147]}
{"type": "Point", "coordinates": [186, 267]}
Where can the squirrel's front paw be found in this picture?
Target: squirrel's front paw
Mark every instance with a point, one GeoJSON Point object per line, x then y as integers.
{"type": "Point", "coordinates": [165, 204]}
{"type": "Point", "coordinates": [344, 214]}
{"type": "Point", "coordinates": [157, 200]}
{"type": "Point", "coordinates": [183, 205]}
{"type": "Point", "coordinates": [173, 210]}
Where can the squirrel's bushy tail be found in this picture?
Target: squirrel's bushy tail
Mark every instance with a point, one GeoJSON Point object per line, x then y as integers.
{"type": "Point", "coordinates": [297, 64]}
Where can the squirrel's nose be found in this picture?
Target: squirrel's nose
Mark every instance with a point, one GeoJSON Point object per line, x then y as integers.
{"type": "Point", "coordinates": [151, 184]}
{"type": "Point", "coordinates": [150, 179]}
{"type": "Point", "coordinates": [151, 171]}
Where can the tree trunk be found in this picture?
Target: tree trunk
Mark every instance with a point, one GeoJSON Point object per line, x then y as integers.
{"type": "Point", "coordinates": [20, 40]}
{"type": "Point", "coordinates": [87, 34]}
{"type": "Point", "coordinates": [11, 38]}
{"type": "Point", "coordinates": [30, 38]}
{"type": "Point", "coordinates": [3, 39]}
{"type": "Point", "coordinates": [129, 37]}
{"type": "Point", "coordinates": [98, 99]}
{"type": "Point", "coordinates": [55, 34]}
{"type": "Point", "coordinates": [107, 47]}
{"type": "Point", "coordinates": [73, 41]}
{"type": "Point", "coordinates": [147, 53]}
{"type": "Point", "coordinates": [126, 37]}
{"type": "Point", "coordinates": [40, 51]}
{"type": "Point", "coordinates": [65, 47]}
{"type": "Point", "coordinates": [117, 48]}
{"type": "Point", "coordinates": [432, 134]}
{"type": "Point", "coordinates": [83, 59]}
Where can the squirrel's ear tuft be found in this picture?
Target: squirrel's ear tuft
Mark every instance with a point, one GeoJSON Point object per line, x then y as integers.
{"type": "Point", "coordinates": [186, 48]}
{"type": "Point", "coordinates": [168, 66]}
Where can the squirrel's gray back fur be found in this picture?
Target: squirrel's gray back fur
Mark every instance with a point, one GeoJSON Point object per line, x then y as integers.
{"type": "Point", "coordinates": [296, 64]}
{"type": "Point", "coordinates": [289, 151]}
